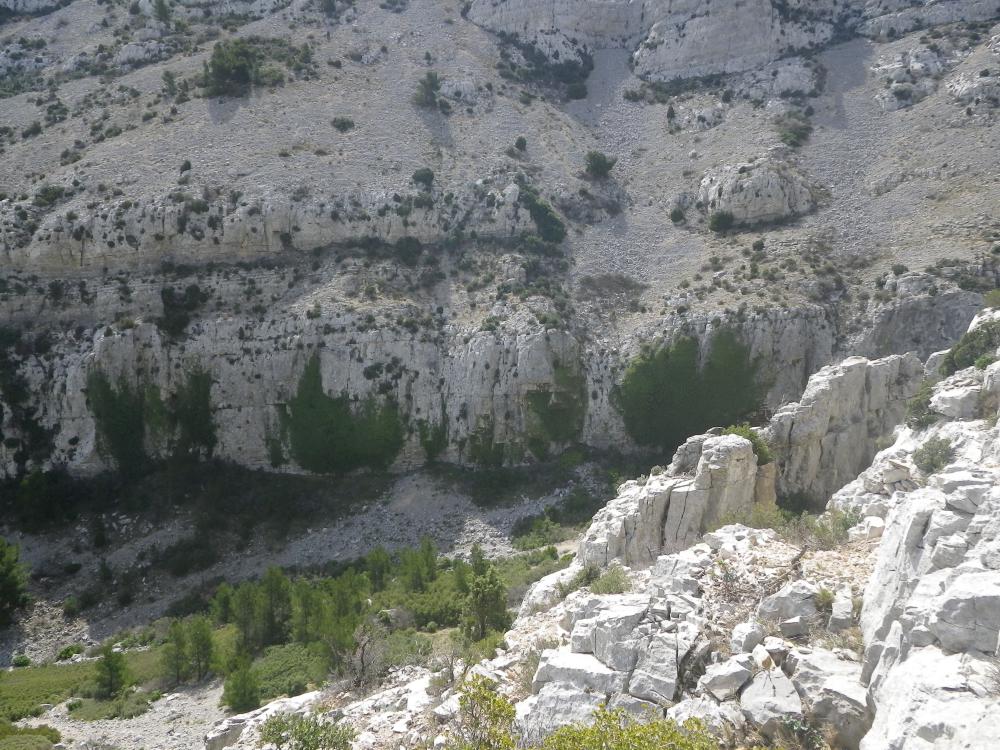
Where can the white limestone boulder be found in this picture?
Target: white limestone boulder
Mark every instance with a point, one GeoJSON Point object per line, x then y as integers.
{"type": "Point", "coordinates": [769, 699]}
{"type": "Point", "coordinates": [794, 599]}
{"type": "Point", "coordinates": [766, 190]}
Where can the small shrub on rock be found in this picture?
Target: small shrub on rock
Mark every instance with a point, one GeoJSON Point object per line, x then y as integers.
{"type": "Point", "coordinates": [613, 581]}
{"type": "Point", "coordinates": [933, 455]}
{"type": "Point", "coordinates": [760, 447]}
{"type": "Point", "coordinates": [918, 408]}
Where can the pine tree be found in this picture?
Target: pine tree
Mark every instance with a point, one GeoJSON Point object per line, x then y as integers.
{"type": "Point", "coordinates": [276, 593]}
{"type": "Point", "coordinates": [486, 604]}
{"type": "Point", "coordinates": [246, 613]}
{"type": "Point", "coordinates": [174, 656]}
{"type": "Point", "coordinates": [112, 672]}
{"type": "Point", "coordinates": [162, 11]}
{"type": "Point", "coordinates": [200, 646]}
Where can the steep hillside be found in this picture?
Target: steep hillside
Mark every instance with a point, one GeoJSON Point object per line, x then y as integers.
{"type": "Point", "coordinates": [218, 200]}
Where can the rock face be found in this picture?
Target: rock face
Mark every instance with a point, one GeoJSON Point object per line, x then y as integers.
{"type": "Point", "coordinates": [474, 396]}
{"type": "Point", "coordinates": [683, 38]}
{"type": "Point", "coordinates": [767, 190]}
{"type": "Point", "coordinates": [667, 513]}
{"type": "Point", "coordinates": [824, 441]}
{"type": "Point", "coordinates": [140, 233]}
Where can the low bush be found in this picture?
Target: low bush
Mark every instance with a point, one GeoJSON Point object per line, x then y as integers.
{"type": "Point", "coordinates": [289, 670]}
{"type": "Point", "coordinates": [933, 455]}
{"type": "Point", "coordinates": [424, 176]}
{"type": "Point", "coordinates": [612, 581]}
{"type": "Point", "coordinates": [918, 408]}
{"type": "Point", "coordinates": [793, 128]}
{"type": "Point", "coordinates": [343, 124]}
{"type": "Point", "coordinates": [599, 165]}
{"type": "Point", "coordinates": [294, 732]}
{"type": "Point", "coordinates": [982, 341]}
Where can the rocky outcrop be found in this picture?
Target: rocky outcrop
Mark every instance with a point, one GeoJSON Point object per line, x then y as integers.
{"type": "Point", "coordinates": [766, 190]}
{"type": "Point", "coordinates": [470, 395]}
{"type": "Point", "coordinates": [667, 512]}
{"type": "Point", "coordinates": [672, 39]}
{"type": "Point", "coordinates": [141, 232]}
{"type": "Point", "coordinates": [823, 441]}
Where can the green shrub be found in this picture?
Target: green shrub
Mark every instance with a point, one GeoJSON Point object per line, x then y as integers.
{"type": "Point", "coordinates": [830, 529]}
{"type": "Point", "coordinates": [983, 340]}
{"type": "Point", "coordinates": [985, 361]}
{"type": "Point", "coordinates": [599, 165]}
{"type": "Point", "coordinates": [933, 455]}
{"type": "Point", "coordinates": [71, 607]}
{"type": "Point", "coordinates": [128, 705]}
{"type": "Point", "coordinates": [25, 742]}
{"type": "Point", "coordinates": [111, 670]}
{"type": "Point", "coordinates": [486, 722]}
{"type": "Point", "coordinates": [20, 660]}
{"type": "Point", "coordinates": [760, 447]}
{"type": "Point", "coordinates": [618, 730]}
{"type": "Point", "coordinates": [294, 732]}
{"type": "Point", "coordinates": [793, 128]}
{"type": "Point", "coordinates": [289, 670]}
{"type": "Point", "coordinates": [582, 579]}
{"type": "Point", "coordinates": [721, 221]}
{"type": "Point", "coordinates": [612, 581]}
{"type": "Point", "coordinates": [677, 215]}
{"type": "Point", "coordinates": [521, 144]}
{"type": "Point", "coordinates": [240, 692]}
{"type": "Point", "coordinates": [992, 297]}
{"type": "Point", "coordinates": [343, 124]}
{"type": "Point", "coordinates": [238, 64]}
{"type": "Point", "coordinates": [68, 652]}
{"type": "Point", "coordinates": [918, 408]}
{"type": "Point", "coordinates": [665, 396]}
{"type": "Point", "coordinates": [424, 176]}
{"type": "Point", "coordinates": [10, 732]}
{"type": "Point", "coordinates": [550, 226]}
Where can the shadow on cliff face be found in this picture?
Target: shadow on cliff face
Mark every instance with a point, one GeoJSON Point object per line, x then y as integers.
{"type": "Point", "coordinates": [604, 85]}
{"type": "Point", "coordinates": [847, 70]}
{"type": "Point", "coordinates": [223, 109]}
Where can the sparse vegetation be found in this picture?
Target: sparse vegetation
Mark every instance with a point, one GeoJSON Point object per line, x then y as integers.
{"type": "Point", "coordinates": [599, 165]}
{"type": "Point", "coordinates": [983, 340]}
{"type": "Point", "coordinates": [294, 732]}
{"type": "Point", "coordinates": [918, 408]}
{"type": "Point", "coordinates": [933, 455]}
{"type": "Point", "coordinates": [793, 128]}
